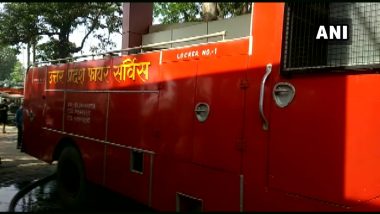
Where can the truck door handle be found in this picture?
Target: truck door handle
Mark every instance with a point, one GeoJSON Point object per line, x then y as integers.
{"type": "Point", "coordinates": [202, 111]}
{"type": "Point", "coordinates": [268, 70]}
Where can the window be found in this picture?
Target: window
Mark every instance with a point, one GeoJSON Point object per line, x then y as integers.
{"type": "Point", "coordinates": [186, 203]}
{"type": "Point", "coordinates": [302, 51]}
{"type": "Point", "coordinates": [137, 160]}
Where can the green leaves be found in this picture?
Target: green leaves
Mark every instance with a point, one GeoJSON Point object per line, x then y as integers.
{"type": "Point", "coordinates": [8, 61]}
{"type": "Point", "coordinates": [178, 12]}
{"type": "Point", "coordinates": [28, 23]}
{"type": "Point", "coordinates": [228, 9]}
{"type": "Point", "coordinates": [17, 74]}
{"type": "Point", "coordinates": [170, 12]}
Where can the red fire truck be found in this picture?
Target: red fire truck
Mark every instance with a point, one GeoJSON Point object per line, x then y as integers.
{"type": "Point", "coordinates": [272, 121]}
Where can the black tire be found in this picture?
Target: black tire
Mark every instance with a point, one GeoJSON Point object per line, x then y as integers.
{"type": "Point", "coordinates": [71, 181]}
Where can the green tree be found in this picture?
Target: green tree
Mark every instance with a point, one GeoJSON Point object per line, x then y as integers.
{"type": "Point", "coordinates": [178, 12]}
{"type": "Point", "coordinates": [17, 74]}
{"type": "Point", "coordinates": [26, 23]}
{"type": "Point", "coordinates": [229, 9]}
{"type": "Point", "coordinates": [8, 59]}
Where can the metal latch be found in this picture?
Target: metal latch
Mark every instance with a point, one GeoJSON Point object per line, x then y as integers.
{"type": "Point", "coordinates": [283, 94]}
{"type": "Point", "coordinates": [202, 111]}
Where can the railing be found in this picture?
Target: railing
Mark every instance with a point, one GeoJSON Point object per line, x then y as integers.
{"type": "Point", "coordinates": [141, 47]}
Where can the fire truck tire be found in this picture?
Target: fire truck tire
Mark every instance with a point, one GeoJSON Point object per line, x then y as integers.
{"type": "Point", "coordinates": [71, 182]}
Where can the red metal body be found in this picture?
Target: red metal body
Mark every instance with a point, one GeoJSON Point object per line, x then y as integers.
{"type": "Point", "coordinates": [320, 153]}
{"type": "Point", "coordinates": [19, 91]}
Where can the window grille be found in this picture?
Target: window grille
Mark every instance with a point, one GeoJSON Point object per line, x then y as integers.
{"type": "Point", "coordinates": [303, 51]}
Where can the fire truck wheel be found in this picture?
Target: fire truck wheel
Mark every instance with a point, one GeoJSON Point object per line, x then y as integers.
{"type": "Point", "coordinates": [71, 183]}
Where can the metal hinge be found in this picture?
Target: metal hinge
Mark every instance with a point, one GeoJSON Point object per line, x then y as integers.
{"type": "Point", "coordinates": [244, 84]}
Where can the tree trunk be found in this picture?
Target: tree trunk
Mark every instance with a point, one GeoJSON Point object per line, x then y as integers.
{"type": "Point", "coordinates": [34, 51]}
{"type": "Point", "coordinates": [220, 12]}
{"type": "Point", "coordinates": [245, 8]}
{"type": "Point", "coordinates": [28, 54]}
{"type": "Point", "coordinates": [64, 49]}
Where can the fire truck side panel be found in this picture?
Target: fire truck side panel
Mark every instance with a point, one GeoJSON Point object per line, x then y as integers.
{"type": "Point", "coordinates": [53, 109]}
{"type": "Point", "coordinates": [217, 189]}
{"type": "Point", "coordinates": [138, 131]}
{"type": "Point", "coordinates": [217, 140]}
{"type": "Point", "coordinates": [176, 110]}
{"type": "Point", "coordinates": [178, 169]}
{"type": "Point", "coordinates": [52, 112]}
{"type": "Point", "coordinates": [267, 41]}
{"type": "Point", "coordinates": [26, 113]}
{"type": "Point", "coordinates": [85, 115]}
{"type": "Point", "coordinates": [132, 119]}
{"type": "Point", "coordinates": [132, 127]}
{"type": "Point", "coordinates": [53, 117]}
{"type": "Point", "coordinates": [362, 156]}
{"type": "Point", "coordinates": [319, 174]}
{"type": "Point", "coordinates": [328, 169]}
{"type": "Point", "coordinates": [121, 178]}
{"type": "Point", "coordinates": [34, 112]}
{"type": "Point", "coordinates": [89, 75]}
{"type": "Point", "coordinates": [339, 161]}
{"type": "Point", "coordinates": [270, 152]}
{"type": "Point", "coordinates": [92, 154]}
{"type": "Point", "coordinates": [139, 80]}
{"type": "Point", "coordinates": [174, 130]}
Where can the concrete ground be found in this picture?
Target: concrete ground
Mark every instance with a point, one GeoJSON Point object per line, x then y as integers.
{"type": "Point", "coordinates": [19, 169]}
{"type": "Point", "coordinates": [16, 166]}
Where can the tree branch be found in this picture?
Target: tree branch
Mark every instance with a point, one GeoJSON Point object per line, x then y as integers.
{"type": "Point", "coordinates": [47, 33]}
{"type": "Point", "coordinates": [86, 36]}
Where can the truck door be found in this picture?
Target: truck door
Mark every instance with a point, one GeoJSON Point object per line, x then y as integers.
{"type": "Point", "coordinates": [219, 94]}
{"type": "Point", "coordinates": [176, 101]}
{"type": "Point", "coordinates": [323, 127]}
{"type": "Point", "coordinates": [295, 122]}
{"type": "Point", "coordinates": [201, 112]}
{"type": "Point", "coordinates": [308, 139]}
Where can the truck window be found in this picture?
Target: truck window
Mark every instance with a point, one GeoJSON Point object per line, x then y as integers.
{"type": "Point", "coordinates": [302, 50]}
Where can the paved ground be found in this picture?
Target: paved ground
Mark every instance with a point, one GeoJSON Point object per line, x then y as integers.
{"type": "Point", "coordinates": [19, 169]}
{"type": "Point", "coordinates": [16, 166]}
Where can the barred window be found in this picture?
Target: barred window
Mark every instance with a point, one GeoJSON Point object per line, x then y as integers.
{"type": "Point", "coordinates": [303, 51]}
